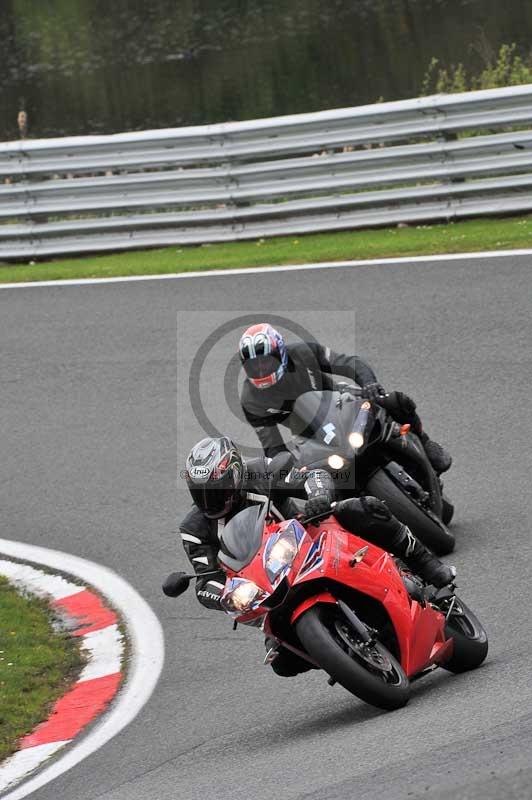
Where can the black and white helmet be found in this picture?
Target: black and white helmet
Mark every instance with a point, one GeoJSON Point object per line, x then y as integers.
{"type": "Point", "coordinates": [214, 475]}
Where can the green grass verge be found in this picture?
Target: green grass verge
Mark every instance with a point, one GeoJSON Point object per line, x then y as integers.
{"type": "Point", "coordinates": [37, 664]}
{"type": "Point", "coordinates": [477, 234]}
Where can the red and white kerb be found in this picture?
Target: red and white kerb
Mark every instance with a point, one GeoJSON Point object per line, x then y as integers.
{"type": "Point", "coordinates": [89, 618]}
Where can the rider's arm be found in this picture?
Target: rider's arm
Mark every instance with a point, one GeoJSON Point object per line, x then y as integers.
{"type": "Point", "coordinates": [352, 367]}
{"type": "Point", "coordinates": [269, 434]}
{"type": "Point", "coordinates": [204, 557]}
{"type": "Point", "coordinates": [317, 487]}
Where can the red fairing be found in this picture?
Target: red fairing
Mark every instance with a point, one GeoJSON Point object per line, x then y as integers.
{"type": "Point", "coordinates": [325, 558]}
{"type": "Point", "coordinates": [420, 631]}
{"type": "Point", "coordinates": [322, 597]}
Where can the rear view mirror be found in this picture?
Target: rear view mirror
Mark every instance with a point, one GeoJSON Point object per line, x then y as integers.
{"type": "Point", "coordinates": [176, 584]}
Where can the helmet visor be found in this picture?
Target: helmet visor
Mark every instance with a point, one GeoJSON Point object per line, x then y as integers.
{"type": "Point", "coordinates": [262, 366]}
{"type": "Point", "coordinates": [213, 500]}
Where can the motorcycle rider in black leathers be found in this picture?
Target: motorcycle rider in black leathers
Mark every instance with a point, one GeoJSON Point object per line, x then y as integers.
{"type": "Point", "coordinates": [221, 485]}
{"type": "Point", "coordinates": [277, 374]}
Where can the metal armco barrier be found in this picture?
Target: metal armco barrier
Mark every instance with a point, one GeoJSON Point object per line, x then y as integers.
{"type": "Point", "coordinates": [433, 158]}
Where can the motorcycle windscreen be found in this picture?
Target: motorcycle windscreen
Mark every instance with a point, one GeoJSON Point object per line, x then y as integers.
{"type": "Point", "coordinates": [322, 422]}
{"type": "Point", "coordinates": [310, 411]}
{"type": "Point", "coordinates": [241, 538]}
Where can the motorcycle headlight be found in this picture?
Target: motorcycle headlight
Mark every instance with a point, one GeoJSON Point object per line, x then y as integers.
{"type": "Point", "coordinates": [335, 462]}
{"type": "Point", "coordinates": [241, 596]}
{"type": "Point", "coordinates": [281, 550]}
{"type": "Point", "coordinates": [356, 439]}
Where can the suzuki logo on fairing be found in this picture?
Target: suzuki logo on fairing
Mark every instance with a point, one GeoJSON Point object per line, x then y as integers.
{"type": "Point", "coordinates": [330, 432]}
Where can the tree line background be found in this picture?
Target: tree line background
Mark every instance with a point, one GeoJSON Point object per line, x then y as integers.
{"type": "Point", "coordinates": [90, 66]}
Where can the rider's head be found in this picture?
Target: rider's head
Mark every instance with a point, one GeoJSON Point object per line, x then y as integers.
{"type": "Point", "coordinates": [263, 354]}
{"type": "Point", "coordinates": [214, 475]}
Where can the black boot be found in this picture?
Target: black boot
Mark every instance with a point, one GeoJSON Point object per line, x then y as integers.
{"type": "Point", "coordinates": [421, 561]}
{"type": "Point", "coordinates": [438, 456]}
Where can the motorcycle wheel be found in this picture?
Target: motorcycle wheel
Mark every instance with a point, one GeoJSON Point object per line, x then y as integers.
{"type": "Point", "coordinates": [469, 637]}
{"type": "Point", "coordinates": [368, 671]}
{"type": "Point", "coordinates": [433, 534]}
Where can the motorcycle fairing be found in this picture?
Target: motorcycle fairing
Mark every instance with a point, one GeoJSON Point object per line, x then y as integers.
{"type": "Point", "coordinates": [314, 558]}
{"type": "Point", "coordinates": [321, 422]}
{"type": "Point", "coordinates": [316, 599]}
{"type": "Point", "coordinates": [242, 538]}
{"type": "Point", "coordinates": [419, 630]}
{"type": "Point", "coordinates": [327, 553]}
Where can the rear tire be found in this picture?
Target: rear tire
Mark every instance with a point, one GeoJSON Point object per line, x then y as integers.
{"type": "Point", "coordinates": [469, 637]}
{"type": "Point", "coordinates": [433, 534]}
{"type": "Point", "coordinates": [319, 634]}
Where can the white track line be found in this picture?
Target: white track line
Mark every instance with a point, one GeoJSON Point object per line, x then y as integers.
{"type": "Point", "coordinates": [147, 656]}
{"type": "Point", "coordinates": [25, 761]}
{"type": "Point", "coordinates": [220, 273]}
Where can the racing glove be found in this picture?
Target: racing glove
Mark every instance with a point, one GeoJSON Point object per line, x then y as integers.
{"type": "Point", "coordinates": [317, 505]}
{"type": "Point", "coordinates": [373, 391]}
{"type": "Point", "coordinates": [319, 487]}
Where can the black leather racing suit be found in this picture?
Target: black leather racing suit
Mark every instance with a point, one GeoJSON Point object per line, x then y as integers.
{"type": "Point", "coordinates": [310, 368]}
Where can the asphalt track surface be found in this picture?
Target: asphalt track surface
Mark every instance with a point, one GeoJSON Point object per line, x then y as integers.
{"type": "Point", "coordinates": [91, 377]}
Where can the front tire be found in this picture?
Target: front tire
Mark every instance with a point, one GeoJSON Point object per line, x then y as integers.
{"type": "Point", "coordinates": [372, 674]}
{"type": "Point", "coordinates": [469, 637]}
{"type": "Point", "coordinates": [428, 530]}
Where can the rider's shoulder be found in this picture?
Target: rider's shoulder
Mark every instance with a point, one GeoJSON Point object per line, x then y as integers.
{"type": "Point", "coordinates": [260, 463]}
{"type": "Point", "coordinates": [256, 474]}
{"type": "Point", "coordinates": [194, 522]}
{"type": "Point", "coordinates": [300, 351]}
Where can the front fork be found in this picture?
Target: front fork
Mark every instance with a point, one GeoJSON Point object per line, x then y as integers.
{"type": "Point", "coordinates": [320, 599]}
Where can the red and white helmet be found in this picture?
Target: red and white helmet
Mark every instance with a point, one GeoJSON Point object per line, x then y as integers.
{"type": "Point", "coordinates": [263, 354]}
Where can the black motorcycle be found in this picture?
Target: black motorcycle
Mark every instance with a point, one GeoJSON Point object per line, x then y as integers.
{"type": "Point", "coordinates": [368, 453]}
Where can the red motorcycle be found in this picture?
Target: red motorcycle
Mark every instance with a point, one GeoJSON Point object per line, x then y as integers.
{"type": "Point", "coordinates": [344, 605]}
